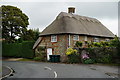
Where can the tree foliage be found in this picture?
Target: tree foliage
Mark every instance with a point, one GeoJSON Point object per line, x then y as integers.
{"type": "Point", "coordinates": [31, 35]}
{"type": "Point", "coordinates": [14, 22]}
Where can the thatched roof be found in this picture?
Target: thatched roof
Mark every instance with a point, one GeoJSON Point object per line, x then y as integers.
{"type": "Point", "coordinates": [76, 24]}
{"type": "Point", "coordinates": [37, 42]}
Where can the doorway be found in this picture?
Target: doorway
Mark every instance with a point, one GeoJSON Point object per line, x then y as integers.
{"type": "Point", "coordinates": [49, 52]}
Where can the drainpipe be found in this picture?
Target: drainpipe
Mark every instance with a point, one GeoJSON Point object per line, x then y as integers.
{"type": "Point", "coordinates": [69, 41]}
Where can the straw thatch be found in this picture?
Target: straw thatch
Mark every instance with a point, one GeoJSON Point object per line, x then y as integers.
{"type": "Point", "coordinates": [75, 24]}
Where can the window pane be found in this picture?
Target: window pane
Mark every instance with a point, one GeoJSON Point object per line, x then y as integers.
{"type": "Point", "coordinates": [53, 38]}
{"type": "Point", "coordinates": [76, 37]}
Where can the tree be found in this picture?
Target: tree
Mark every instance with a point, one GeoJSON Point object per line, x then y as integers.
{"type": "Point", "coordinates": [14, 22]}
{"type": "Point", "coordinates": [31, 35]}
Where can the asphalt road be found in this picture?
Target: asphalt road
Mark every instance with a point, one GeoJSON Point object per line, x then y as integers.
{"type": "Point", "coordinates": [54, 70]}
{"type": "Point", "coordinates": [5, 71]}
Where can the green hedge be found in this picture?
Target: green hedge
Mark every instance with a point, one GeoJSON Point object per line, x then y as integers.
{"type": "Point", "coordinates": [103, 55]}
{"type": "Point", "coordinates": [23, 49]}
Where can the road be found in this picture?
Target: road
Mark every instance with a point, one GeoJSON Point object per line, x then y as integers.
{"type": "Point", "coordinates": [57, 70]}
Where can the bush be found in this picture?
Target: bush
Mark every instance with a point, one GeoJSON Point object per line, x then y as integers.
{"type": "Point", "coordinates": [38, 59]}
{"type": "Point", "coordinates": [41, 53]}
{"type": "Point", "coordinates": [97, 44]}
{"type": "Point", "coordinates": [23, 49]}
{"type": "Point", "coordinates": [105, 59]}
{"type": "Point", "coordinates": [27, 49]}
{"type": "Point", "coordinates": [87, 61]}
{"type": "Point", "coordinates": [102, 55]}
{"type": "Point", "coordinates": [71, 51]}
{"type": "Point", "coordinates": [73, 56]}
{"type": "Point", "coordinates": [78, 44]}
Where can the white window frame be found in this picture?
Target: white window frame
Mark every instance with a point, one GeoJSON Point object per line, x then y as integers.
{"type": "Point", "coordinates": [96, 39]}
{"type": "Point", "coordinates": [107, 39]}
{"type": "Point", "coordinates": [53, 38]}
{"type": "Point", "coordinates": [76, 36]}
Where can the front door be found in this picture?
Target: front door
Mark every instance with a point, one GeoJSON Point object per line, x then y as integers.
{"type": "Point", "coordinates": [49, 52]}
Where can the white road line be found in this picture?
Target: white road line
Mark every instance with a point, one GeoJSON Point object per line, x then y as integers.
{"type": "Point", "coordinates": [11, 71]}
{"type": "Point", "coordinates": [55, 74]}
{"type": "Point", "coordinates": [48, 68]}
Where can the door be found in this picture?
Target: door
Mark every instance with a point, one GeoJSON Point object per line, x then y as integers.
{"type": "Point", "coordinates": [49, 52]}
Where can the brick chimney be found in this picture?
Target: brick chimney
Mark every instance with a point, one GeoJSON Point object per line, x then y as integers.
{"type": "Point", "coordinates": [71, 10]}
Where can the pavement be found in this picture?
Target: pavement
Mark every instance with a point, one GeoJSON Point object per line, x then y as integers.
{"type": "Point", "coordinates": [58, 70]}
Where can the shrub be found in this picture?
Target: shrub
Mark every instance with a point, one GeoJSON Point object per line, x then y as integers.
{"type": "Point", "coordinates": [23, 49]}
{"type": "Point", "coordinates": [71, 51]}
{"type": "Point", "coordinates": [41, 53]}
{"type": "Point", "coordinates": [40, 48]}
{"type": "Point", "coordinates": [27, 50]}
{"type": "Point", "coordinates": [38, 59]}
{"type": "Point", "coordinates": [78, 44]}
{"type": "Point", "coordinates": [105, 44]}
{"type": "Point", "coordinates": [73, 56]}
{"type": "Point", "coordinates": [105, 59]}
{"type": "Point", "coordinates": [96, 44]}
{"type": "Point", "coordinates": [87, 61]}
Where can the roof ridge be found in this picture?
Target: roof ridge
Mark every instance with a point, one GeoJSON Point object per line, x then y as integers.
{"type": "Point", "coordinates": [78, 17]}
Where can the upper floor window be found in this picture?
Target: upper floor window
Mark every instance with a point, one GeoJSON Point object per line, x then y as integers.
{"type": "Point", "coordinates": [96, 39]}
{"type": "Point", "coordinates": [76, 37]}
{"type": "Point", "coordinates": [107, 40]}
{"type": "Point", "coordinates": [53, 38]}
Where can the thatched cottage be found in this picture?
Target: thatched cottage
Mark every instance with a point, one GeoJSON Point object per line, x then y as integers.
{"type": "Point", "coordinates": [68, 28]}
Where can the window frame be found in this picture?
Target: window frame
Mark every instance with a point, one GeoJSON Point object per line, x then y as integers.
{"type": "Point", "coordinates": [77, 37]}
{"type": "Point", "coordinates": [54, 39]}
{"type": "Point", "coordinates": [107, 39]}
{"type": "Point", "coordinates": [96, 39]}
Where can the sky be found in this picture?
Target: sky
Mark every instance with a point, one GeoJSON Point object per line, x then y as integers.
{"type": "Point", "coordinates": [42, 13]}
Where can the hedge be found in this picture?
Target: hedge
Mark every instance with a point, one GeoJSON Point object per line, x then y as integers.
{"type": "Point", "coordinates": [103, 55]}
{"type": "Point", "coordinates": [23, 49]}
{"type": "Point", "coordinates": [96, 55]}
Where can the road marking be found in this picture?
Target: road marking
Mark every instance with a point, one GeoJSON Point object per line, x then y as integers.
{"type": "Point", "coordinates": [55, 74]}
{"type": "Point", "coordinates": [11, 71]}
{"type": "Point", "coordinates": [48, 68]}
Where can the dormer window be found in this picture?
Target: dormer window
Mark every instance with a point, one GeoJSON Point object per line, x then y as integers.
{"type": "Point", "coordinates": [53, 38]}
{"type": "Point", "coordinates": [76, 37]}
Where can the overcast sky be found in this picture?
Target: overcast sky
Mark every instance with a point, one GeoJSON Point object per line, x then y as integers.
{"type": "Point", "coordinates": [41, 14]}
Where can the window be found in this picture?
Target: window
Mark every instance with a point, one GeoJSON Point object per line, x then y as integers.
{"type": "Point", "coordinates": [85, 38]}
{"type": "Point", "coordinates": [107, 40]}
{"type": "Point", "coordinates": [53, 38]}
{"type": "Point", "coordinates": [96, 39]}
{"type": "Point", "coordinates": [76, 37]}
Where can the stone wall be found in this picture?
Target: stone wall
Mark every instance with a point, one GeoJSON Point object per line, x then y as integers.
{"type": "Point", "coordinates": [60, 47]}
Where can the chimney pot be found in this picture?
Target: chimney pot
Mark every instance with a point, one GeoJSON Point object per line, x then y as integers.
{"type": "Point", "coordinates": [71, 10]}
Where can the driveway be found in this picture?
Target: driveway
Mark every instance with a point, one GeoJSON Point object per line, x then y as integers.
{"type": "Point", "coordinates": [57, 70]}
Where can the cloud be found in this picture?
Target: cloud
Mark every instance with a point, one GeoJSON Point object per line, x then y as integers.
{"type": "Point", "coordinates": [41, 14]}
{"type": "Point", "coordinates": [111, 24]}
{"type": "Point", "coordinates": [97, 9]}
{"type": "Point", "coordinates": [60, 0]}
